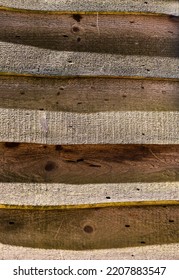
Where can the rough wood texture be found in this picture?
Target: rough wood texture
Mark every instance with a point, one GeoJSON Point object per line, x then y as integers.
{"type": "Point", "coordinates": [85, 95]}
{"type": "Point", "coordinates": [154, 6]}
{"type": "Point", "coordinates": [126, 127]}
{"type": "Point", "coordinates": [122, 34]}
{"type": "Point", "coordinates": [157, 252]}
{"type": "Point", "coordinates": [90, 228]}
{"type": "Point", "coordinates": [28, 60]}
{"type": "Point", "coordinates": [67, 196]}
{"type": "Point", "coordinates": [88, 164]}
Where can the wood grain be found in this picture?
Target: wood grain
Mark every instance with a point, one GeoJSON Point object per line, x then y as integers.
{"type": "Point", "coordinates": [88, 164]}
{"type": "Point", "coordinates": [123, 34]}
{"type": "Point", "coordinates": [90, 228]}
{"type": "Point", "coordinates": [152, 6]}
{"type": "Point", "coordinates": [85, 95]}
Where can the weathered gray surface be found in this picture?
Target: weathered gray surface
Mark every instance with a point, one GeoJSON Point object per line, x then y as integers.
{"type": "Point", "coordinates": [153, 252]}
{"type": "Point", "coordinates": [59, 195]}
{"type": "Point", "coordinates": [154, 6]}
{"type": "Point", "coordinates": [21, 59]}
{"type": "Point", "coordinates": [104, 127]}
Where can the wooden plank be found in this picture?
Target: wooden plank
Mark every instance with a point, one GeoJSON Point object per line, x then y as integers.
{"type": "Point", "coordinates": [85, 95]}
{"type": "Point", "coordinates": [157, 252]}
{"type": "Point", "coordinates": [28, 60]}
{"type": "Point", "coordinates": [153, 6]}
{"type": "Point", "coordinates": [90, 228]}
{"type": "Point", "coordinates": [125, 127]}
{"type": "Point", "coordinates": [88, 164]}
{"type": "Point", "coordinates": [68, 196]}
{"type": "Point", "coordinates": [122, 34]}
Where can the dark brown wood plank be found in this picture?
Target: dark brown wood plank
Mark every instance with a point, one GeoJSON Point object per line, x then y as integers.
{"type": "Point", "coordinates": [81, 164]}
{"type": "Point", "coordinates": [115, 34]}
{"type": "Point", "coordinates": [83, 229]}
{"type": "Point", "coordinates": [86, 95]}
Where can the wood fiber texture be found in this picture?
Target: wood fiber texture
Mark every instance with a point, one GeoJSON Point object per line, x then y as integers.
{"type": "Point", "coordinates": [89, 129]}
{"type": "Point", "coordinates": [153, 6]}
{"type": "Point", "coordinates": [90, 228]}
{"type": "Point", "coordinates": [88, 164]}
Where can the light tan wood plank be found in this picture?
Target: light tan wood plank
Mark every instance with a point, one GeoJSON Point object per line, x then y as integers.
{"type": "Point", "coordinates": [126, 127]}
{"type": "Point", "coordinates": [85, 95]}
{"type": "Point", "coordinates": [157, 252]}
{"type": "Point", "coordinates": [154, 6]}
{"type": "Point", "coordinates": [122, 34]}
{"type": "Point", "coordinates": [84, 229]}
{"type": "Point", "coordinates": [28, 60]}
{"type": "Point", "coordinates": [63, 196]}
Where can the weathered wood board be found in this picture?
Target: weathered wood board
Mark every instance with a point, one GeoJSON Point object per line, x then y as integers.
{"type": "Point", "coordinates": [88, 164]}
{"type": "Point", "coordinates": [89, 138]}
{"type": "Point", "coordinates": [88, 95]}
{"type": "Point", "coordinates": [151, 252]}
{"type": "Point", "coordinates": [83, 229]}
{"type": "Point", "coordinates": [122, 34]}
{"type": "Point", "coordinates": [139, 6]}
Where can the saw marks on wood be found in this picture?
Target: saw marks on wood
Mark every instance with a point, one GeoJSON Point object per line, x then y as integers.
{"type": "Point", "coordinates": [100, 228]}
{"type": "Point", "coordinates": [88, 164]}
{"type": "Point", "coordinates": [120, 34]}
{"type": "Point", "coordinates": [85, 95]}
{"type": "Point", "coordinates": [138, 6]}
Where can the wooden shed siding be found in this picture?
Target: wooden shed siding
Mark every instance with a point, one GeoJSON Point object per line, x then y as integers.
{"type": "Point", "coordinates": [89, 116]}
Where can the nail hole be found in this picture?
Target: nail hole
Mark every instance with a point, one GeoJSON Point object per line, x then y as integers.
{"type": "Point", "coordinates": [41, 109]}
{"type": "Point", "coordinates": [78, 39]}
{"type": "Point", "coordinates": [79, 103]}
{"type": "Point", "coordinates": [75, 29]}
{"type": "Point", "coordinates": [142, 87]}
{"type": "Point", "coordinates": [124, 95]}
{"type": "Point", "coordinates": [22, 92]}
{"type": "Point", "coordinates": [18, 37]}
{"type": "Point", "coordinates": [108, 197]}
{"type": "Point", "coordinates": [58, 148]}
{"type": "Point", "coordinates": [106, 99]}
{"type": "Point", "coordinates": [11, 144]}
{"type": "Point", "coordinates": [50, 166]}
{"type": "Point", "coordinates": [88, 229]}
{"type": "Point", "coordinates": [11, 223]}
{"type": "Point", "coordinates": [79, 160]}
{"type": "Point", "coordinates": [143, 133]}
{"type": "Point", "coordinates": [65, 36]}
{"type": "Point", "coordinates": [132, 21]}
{"type": "Point", "coordinates": [44, 146]}
{"type": "Point", "coordinates": [77, 17]}
{"type": "Point", "coordinates": [138, 189]}
{"type": "Point", "coordinates": [171, 221]}
{"type": "Point", "coordinates": [127, 225]}
{"type": "Point", "coordinates": [142, 242]}
{"type": "Point", "coordinates": [61, 88]}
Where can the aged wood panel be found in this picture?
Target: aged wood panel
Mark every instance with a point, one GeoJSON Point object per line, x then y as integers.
{"type": "Point", "coordinates": [84, 95]}
{"type": "Point", "coordinates": [90, 228]}
{"type": "Point", "coordinates": [125, 127]}
{"type": "Point", "coordinates": [29, 60]}
{"type": "Point", "coordinates": [122, 34]}
{"type": "Point", "coordinates": [153, 6]}
{"type": "Point", "coordinates": [88, 164]}
{"type": "Point", "coordinates": [151, 252]}
{"type": "Point", "coordinates": [63, 196]}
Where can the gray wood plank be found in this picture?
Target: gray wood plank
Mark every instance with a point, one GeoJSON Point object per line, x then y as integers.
{"type": "Point", "coordinates": [28, 60]}
{"type": "Point", "coordinates": [154, 6]}
{"type": "Point", "coordinates": [125, 127]}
